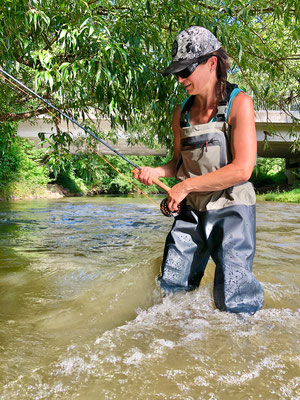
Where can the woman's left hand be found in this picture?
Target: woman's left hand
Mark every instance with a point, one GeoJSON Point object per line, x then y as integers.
{"type": "Point", "coordinates": [176, 195]}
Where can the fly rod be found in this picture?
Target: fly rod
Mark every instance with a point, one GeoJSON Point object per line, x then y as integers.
{"type": "Point", "coordinates": [164, 207]}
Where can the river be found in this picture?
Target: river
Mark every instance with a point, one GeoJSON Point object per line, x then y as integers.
{"type": "Point", "coordinates": [81, 316]}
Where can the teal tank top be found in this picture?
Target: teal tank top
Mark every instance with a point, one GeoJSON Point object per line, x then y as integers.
{"type": "Point", "coordinates": [232, 96]}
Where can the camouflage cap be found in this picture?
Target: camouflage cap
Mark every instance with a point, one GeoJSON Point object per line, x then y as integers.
{"type": "Point", "coordinates": [190, 45]}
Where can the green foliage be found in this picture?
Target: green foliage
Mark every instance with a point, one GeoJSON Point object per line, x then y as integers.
{"type": "Point", "coordinates": [20, 163]}
{"type": "Point", "coordinates": [90, 173]}
{"type": "Point", "coordinates": [268, 171]}
{"type": "Point", "coordinates": [68, 180]}
{"type": "Point", "coordinates": [57, 155]}
{"type": "Point", "coordinates": [108, 55]}
{"type": "Point", "coordinates": [10, 158]}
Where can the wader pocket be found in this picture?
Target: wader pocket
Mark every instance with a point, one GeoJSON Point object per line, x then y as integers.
{"type": "Point", "coordinates": [202, 154]}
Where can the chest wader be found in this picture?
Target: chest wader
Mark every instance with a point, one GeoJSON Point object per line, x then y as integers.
{"type": "Point", "coordinates": [220, 224]}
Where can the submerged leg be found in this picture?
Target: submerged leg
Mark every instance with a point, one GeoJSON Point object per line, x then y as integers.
{"type": "Point", "coordinates": [231, 240]}
{"type": "Point", "coordinates": [185, 254]}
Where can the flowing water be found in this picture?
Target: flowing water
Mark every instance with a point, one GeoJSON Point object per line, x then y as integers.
{"type": "Point", "coordinates": [81, 316]}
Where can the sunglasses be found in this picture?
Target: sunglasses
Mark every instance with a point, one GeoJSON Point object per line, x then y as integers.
{"type": "Point", "coordinates": [185, 73]}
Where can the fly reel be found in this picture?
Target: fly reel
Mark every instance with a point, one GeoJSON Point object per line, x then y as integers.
{"type": "Point", "coordinates": [166, 211]}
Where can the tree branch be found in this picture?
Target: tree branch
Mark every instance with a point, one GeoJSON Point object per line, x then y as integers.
{"type": "Point", "coordinates": [24, 61]}
{"type": "Point", "coordinates": [25, 115]}
{"type": "Point", "coordinates": [268, 48]}
{"type": "Point", "coordinates": [48, 44]}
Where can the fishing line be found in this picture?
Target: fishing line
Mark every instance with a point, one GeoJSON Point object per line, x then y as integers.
{"type": "Point", "coordinates": [65, 115]}
{"type": "Point", "coordinates": [23, 88]}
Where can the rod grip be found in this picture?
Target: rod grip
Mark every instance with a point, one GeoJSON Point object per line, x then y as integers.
{"type": "Point", "coordinates": [161, 184]}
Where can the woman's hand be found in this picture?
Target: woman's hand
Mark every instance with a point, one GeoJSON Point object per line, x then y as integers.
{"type": "Point", "coordinates": [176, 195]}
{"type": "Point", "coordinates": [145, 175]}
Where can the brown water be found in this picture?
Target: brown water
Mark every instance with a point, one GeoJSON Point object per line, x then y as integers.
{"type": "Point", "coordinates": [81, 316]}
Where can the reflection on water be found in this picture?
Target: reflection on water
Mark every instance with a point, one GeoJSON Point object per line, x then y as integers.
{"type": "Point", "coordinates": [81, 316]}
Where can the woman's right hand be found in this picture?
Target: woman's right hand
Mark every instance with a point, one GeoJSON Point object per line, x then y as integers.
{"type": "Point", "coordinates": [146, 175]}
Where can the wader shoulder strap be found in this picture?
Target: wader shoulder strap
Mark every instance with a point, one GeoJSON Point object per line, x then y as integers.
{"type": "Point", "coordinates": [223, 105]}
{"type": "Point", "coordinates": [184, 120]}
{"type": "Point", "coordinates": [221, 116]}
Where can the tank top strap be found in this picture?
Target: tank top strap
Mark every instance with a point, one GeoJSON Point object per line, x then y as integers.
{"type": "Point", "coordinates": [232, 96]}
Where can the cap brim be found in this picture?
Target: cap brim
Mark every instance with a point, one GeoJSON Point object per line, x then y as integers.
{"type": "Point", "coordinates": [177, 66]}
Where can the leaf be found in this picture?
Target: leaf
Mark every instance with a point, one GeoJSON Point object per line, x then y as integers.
{"type": "Point", "coordinates": [63, 33]}
{"type": "Point", "coordinates": [91, 30]}
{"type": "Point", "coordinates": [240, 51]}
{"type": "Point", "coordinates": [148, 7]}
{"type": "Point", "coordinates": [64, 65]}
{"type": "Point", "coordinates": [49, 78]}
{"type": "Point", "coordinates": [35, 21]}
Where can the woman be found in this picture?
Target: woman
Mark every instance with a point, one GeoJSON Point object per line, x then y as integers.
{"type": "Point", "coordinates": [214, 155]}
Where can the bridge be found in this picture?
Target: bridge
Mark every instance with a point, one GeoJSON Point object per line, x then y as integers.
{"type": "Point", "coordinates": [273, 130]}
{"type": "Point", "coordinates": [274, 138]}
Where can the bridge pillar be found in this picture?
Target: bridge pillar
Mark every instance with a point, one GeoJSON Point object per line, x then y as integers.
{"type": "Point", "coordinates": [291, 166]}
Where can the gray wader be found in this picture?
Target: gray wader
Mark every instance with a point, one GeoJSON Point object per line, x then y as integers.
{"type": "Point", "coordinates": [219, 224]}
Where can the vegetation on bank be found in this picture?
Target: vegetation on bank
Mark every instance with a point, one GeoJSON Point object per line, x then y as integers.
{"type": "Point", "coordinates": [290, 196]}
{"type": "Point", "coordinates": [21, 169]}
{"type": "Point", "coordinates": [26, 171]}
{"type": "Point", "coordinates": [270, 181]}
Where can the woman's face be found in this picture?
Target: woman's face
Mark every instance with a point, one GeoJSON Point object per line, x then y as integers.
{"type": "Point", "coordinates": [201, 79]}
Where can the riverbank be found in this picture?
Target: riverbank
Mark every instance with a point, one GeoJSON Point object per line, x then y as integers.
{"type": "Point", "coordinates": [279, 193]}
{"type": "Point", "coordinates": [51, 191]}
{"type": "Point", "coordinates": [29, 173]}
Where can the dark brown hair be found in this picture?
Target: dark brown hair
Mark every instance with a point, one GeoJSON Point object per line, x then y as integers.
{"type": "Point", "coordinates": [221, 71]}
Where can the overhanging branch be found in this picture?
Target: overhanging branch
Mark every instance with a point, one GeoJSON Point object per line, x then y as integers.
{"type": "Point", "coordinates": [13, 117]}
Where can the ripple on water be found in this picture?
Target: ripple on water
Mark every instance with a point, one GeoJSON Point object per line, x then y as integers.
{"type": "Point", "coordinates": [83, 318]}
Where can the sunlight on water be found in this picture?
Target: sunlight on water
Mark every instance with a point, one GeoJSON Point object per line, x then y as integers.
{"type": "Point", "coordinates": [83, 318]}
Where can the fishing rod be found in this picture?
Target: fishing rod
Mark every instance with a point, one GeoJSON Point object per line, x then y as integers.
{"type": "Point", "coordinates": [163, 206]}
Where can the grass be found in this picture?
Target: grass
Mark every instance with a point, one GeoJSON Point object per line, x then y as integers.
{"type": "Point", "coordinates": [291, 196]}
